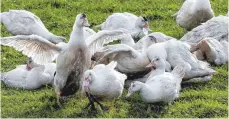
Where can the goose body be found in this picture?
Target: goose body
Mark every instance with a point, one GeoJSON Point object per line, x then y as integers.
{"type": "Point", "coordinates": [177, 52]}
{"type": "Point", "coordinates": [72, 59]}
{"type": "Point", "coordinates": [193, 13]}
{"type": "Point", "coordinates": [137, 26]}
{"type": "Point", "coordinates": [214, 51]}
{"type": "Point", "coordinates": [22, 77]}
{"type": "Point", "coordinates": [104, 81]}
{"type": "Point", "coordinates": [216, 28]}
{"type": "Point", "coordinates": [22, 22]}
{"type": "Point", "coordinates": [160, 88]}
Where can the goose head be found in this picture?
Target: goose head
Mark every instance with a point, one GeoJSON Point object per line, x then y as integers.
{"type": "Point", "coordinates": [89, 76]}
{"type": "Point", "coordinates": [30, 64]}
{"type": "Point", "coordinates": [157, 63]}
{"type": "Point", "coordinates": [81, 20]}
{"type": "Point", "coordinates": [134, 87]}
{"type": "Point", "coordinates": [142, 22]}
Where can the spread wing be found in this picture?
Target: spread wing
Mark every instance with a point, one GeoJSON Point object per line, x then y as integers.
{"type": "Point", "coordinates": [39, 49]}
{"type": "Point", "coordinates": [96, 41]}
{"type": "Point", "coordinates": [113, 50]}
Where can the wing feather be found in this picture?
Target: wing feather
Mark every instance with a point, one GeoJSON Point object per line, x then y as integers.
{"type": "Point", "coordinates": [39, 49]}
{"type": "Point", "coordinates": [96, 41]}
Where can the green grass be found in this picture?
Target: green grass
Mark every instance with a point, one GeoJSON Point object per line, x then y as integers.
{"type": "Point", "coordinates": [196, 100]}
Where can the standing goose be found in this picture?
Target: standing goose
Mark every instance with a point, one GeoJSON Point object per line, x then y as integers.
{"type": "Point", "coordinates": [29, 76]}
{"type": "Point", "coordinates": [137, 26]}
{"type": "Point", "coordinates": [164, 87]}
{"type": "Point", "coordinates": [73, 59]}
{"type": "Point", "coordinates": [22, 22]}
{"type": "Point", "coordinates": [103, 82]}
{"type": "Point", "coordinates": [193, 13]}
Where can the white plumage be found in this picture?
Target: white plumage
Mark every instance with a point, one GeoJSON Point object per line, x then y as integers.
{"type": "Point", "coordinates": [104, 82]}
{"type": "Point", "coordinates": [164, 87]}
{"type": "Point", "coordinates": [73, 58]}
{"type": "Point", "coordinates": [137, 26]}
{"type": "Point", "coordinates": [216, 28]}
{"type": "Point", "coordinates": [177, 52]}
{"type": "Point", "coordinates": [31, 77]}
{"type": "Point", "coordinates": [22, 22]}
{"type": "Point", "coordinates": [193, 13]}
{"type": "Point", "coordinates": [216, 52]}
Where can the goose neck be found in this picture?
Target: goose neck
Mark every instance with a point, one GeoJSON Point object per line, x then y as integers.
{"type": "Point", "coordinates": [77, 36]}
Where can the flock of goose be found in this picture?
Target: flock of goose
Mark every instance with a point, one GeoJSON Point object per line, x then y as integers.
{"type": "Point", "coordinates": [155, 65]}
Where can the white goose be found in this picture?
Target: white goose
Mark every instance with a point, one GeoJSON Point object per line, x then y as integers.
{"type": "Point", "coordinates": [160, 88]}
{"type": "Point", "coordinates": [22, 22]}
{"type": "Point", "coordinates": [146, 41]}
{"type": "Point", "coordinates": [104, 82]}
{"type": "Point", "coordinates": [29, 76]}
{"type": "Point", "coordinates": [128, 59]}
{"type": "Point", "coordinates": [193, 13]}
{"type": "Point", "coordinates": [216, 28]}
{"type": "Point", "coordinates": [73, 59]}
{"type": "Point", "coordinates": [137, 26]}
{"type": "Point", "coordinates": [158, 67]}
{"type": "Point", "coordinates": [213, 50]}
{"type": "Point", "coordinates": [177, 52]}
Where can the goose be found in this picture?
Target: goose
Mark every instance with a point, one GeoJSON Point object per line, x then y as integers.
{"type": "Point", "coordinates": [22, 22]}
{"type": "Point", "coordinates": [72, 60]}
{"type": "Point", "coordinates": [193, 13]}
{"type": "Point", "coordinates": [29, 76]}
{"type": "Point", "coordinates": [160, 88]}
{"type": "Point", "coordinates": [157, 66]}
{"type": "Point", "coordinates": [128, 59]}
{"type": "Point", "coordinates": [146, 41]}
{"type": "Point", "coordinates": [213, 50]}
{"type": "Point", "coordinates": [216, 28]}
{"type": "Point", "coordinates": [137, 26]}
{"type": "Point", "coordinates": [103, 82]}
{"type": "Point", "coordinates": [177, 52]}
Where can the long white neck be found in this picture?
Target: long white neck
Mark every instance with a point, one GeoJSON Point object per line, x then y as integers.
{"type": "Point", "coordinates": [77, 36]}
{"type": "Point", "coordinates": [157, 71]}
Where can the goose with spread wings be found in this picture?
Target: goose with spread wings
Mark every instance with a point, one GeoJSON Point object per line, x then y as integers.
{"type": "Point", "coordinates": [72, 60]}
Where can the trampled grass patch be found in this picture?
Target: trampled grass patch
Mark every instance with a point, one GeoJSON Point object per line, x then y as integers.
{"type": "Point", "coordinates": [206, 99]}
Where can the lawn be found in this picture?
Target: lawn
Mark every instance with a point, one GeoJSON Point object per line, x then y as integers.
{"type": "Point", "coordinates": [209, 99]}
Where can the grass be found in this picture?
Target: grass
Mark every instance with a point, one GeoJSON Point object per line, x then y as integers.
{"type": "Point", "coordinates": [196, 100]}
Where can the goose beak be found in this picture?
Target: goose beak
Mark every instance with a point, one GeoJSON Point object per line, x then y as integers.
{"type": "Point", "coordinates": [146, 26]}
{"type": "Point", "coordinates": [128, 95]}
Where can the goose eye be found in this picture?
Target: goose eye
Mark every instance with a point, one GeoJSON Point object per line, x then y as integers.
{"type": "Point", "coordinates": [133, 85]}
{"type": "Point", "coordinates": [157, 59]}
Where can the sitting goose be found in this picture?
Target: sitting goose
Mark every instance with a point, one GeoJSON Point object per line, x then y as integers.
{"type": "Point", "coordinates": [137, 26]}
{"type": "Point", "coordinates": [29, 76]}
{"type": "Point", "coordinates": [22, 22]}
{"type": "Point", "coordinates": [158, 67]}
{"type": "Point", "coordinates": [216, 28]}
{"type": "Point", "coordinates": [177, 52]}
{"type": "Point", "coordinates": [146, 41]}
{"type": "Point", "coordinates": [128, 59]}
{"type": "Point", "coordinates": [72, 60]}
{"type": "Point", "coordinates": [103, 82]}
{"type": "Point", "coordinates": [160, 88]}
{"type": "Point", "coordinates": [213, 51]}
{"type": "Point", "coordinates": [193, 13]}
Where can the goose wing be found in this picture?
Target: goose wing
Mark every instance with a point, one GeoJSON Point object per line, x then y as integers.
{"type": "Point", "coordinates": [113, 50]}
{"type": "Point", "coordinates": [39, 49]}
{"type": "Point", "coordinates": [96, 41]}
